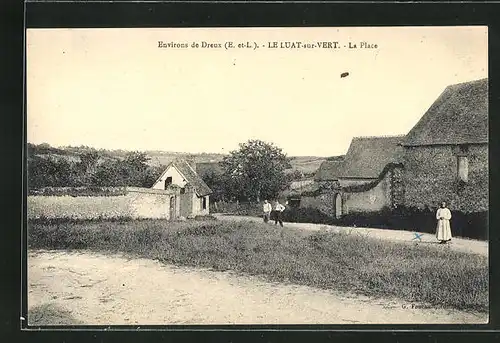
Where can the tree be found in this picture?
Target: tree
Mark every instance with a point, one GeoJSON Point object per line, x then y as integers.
{"type": "Point", "coordinates": [256, 170]}
{"type": "Point", "coordinates": [51, 172]}
{"type": "Point", "coordinates": [87, 166]}
{"type": "Point", "coordinates": [138, 160]}
{"type": "Point", "coordinates": [137, 169]}
{"type": "Point", "coordinates": [217, 184]}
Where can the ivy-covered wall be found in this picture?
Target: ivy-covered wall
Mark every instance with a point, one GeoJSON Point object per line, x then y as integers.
{"type": "Point", "coordinates": [430, 176]}
{"type": "Point", "coordinates": [323, 202]}
{"type": "Point", "coordinates": [371, 200]}
{"type": "Point", "coordinates": [369, 195]}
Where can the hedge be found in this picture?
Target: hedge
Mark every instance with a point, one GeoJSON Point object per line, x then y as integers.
{"type": "Point", "coordinates": [470, 225]}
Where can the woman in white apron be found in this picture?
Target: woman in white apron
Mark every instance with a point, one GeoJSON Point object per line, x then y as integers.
{"type": "Point", "coordinates": [443, 230]}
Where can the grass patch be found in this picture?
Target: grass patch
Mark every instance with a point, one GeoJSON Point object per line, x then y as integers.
{"type": "Point", "coordinates": [439, 277]}
{"type": "Point", "coordinates": [50, 314]}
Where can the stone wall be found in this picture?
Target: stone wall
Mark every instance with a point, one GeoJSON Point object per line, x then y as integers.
{"type": "Point", "coordinates": [431, 176]}
{"type": "Point", "coordinates": [136, 203]}
{"type": "Point", "coordinates": [147, 203]}
{"type": "Point", "coordinates": [368, 195]}
{"type": "Point", "coordinates": [371, 200]}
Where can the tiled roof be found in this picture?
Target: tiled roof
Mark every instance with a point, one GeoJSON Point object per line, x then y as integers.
{"type": "Point", "coordinates": [192, 177]}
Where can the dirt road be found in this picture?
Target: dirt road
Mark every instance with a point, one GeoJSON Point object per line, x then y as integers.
{"type": "Point", "coordinates": [112, 290]}
{"type": "Point", "coordinates": [460, 244]}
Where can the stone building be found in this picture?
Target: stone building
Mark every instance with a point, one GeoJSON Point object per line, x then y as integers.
{"type": "Point", "coordinates": [446, 153]}
{"type": "Point", "coordinates": [443, 158]}
{"type": "Point", "coordinates": [362, 181]}
{"type": "Point", "coordinates": [194, 192]}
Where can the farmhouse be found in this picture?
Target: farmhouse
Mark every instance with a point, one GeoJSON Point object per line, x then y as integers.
{"type": "Point", "coordinates": [367, 157]}
{"type": "Point", "coordinates": [446, 153]}
{"type": "Point", "coordinates": [362, 181]}
{"type": "Point", "coordinates": [194, 192]}
{"type": "Point", "coordinates": [443, 158]}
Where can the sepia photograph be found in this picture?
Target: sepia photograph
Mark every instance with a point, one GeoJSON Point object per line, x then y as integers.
{"type": "Point", "coordinates": [257, 176]}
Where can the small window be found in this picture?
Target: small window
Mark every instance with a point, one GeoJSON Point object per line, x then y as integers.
{"type": "Point", "coordinates": [168, 182]}
{"type": "Point", "coordinates": [463, 168]}
{"type": "Point", "coordinates": [204, 203]}
{"type": "Point", "coordinates": [463, 149]}
{"type": "Point", "coordinates": [183, 190]}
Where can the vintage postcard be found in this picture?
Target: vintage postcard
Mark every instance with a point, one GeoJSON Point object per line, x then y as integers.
{"type": "Point", "coordinates": [333, 175]}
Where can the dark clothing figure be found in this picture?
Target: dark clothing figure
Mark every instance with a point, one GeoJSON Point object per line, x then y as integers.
{"type": "Point", "coordinates": [278, 209]}
{"type": "Point", "coordinates": [278, 218]}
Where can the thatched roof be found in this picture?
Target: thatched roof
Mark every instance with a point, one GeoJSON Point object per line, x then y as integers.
{"type": "Point", "coordinates": [458, 116]}
{"type": "Point", "coordinates": [329, 171]}
{"type": "Point", "coordinates": [191, 177]}
{"type": "Point", "coordinates": [368, 156]}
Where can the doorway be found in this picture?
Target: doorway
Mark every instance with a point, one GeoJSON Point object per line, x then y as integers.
{"type": "Point", "coordinates": [168, 182]}
{"type": "Point", "coordinates": [172, 215]}
{"type": "Point", "coordinates": [338, 205]}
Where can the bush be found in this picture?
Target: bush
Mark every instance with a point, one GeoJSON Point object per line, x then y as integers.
{"type": "Point", "coordinates": [470, 225]}
{"type": "Point", "coordinates": [240, 209]}
{"type": "Point", "coordinates": [204, 217]}
{"type": "Point", "coordinates": [307, 215]}
{"type": "Point", "coordinates": [340, 261]}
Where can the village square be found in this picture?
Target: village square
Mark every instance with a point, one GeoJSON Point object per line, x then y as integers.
{"type": "Point", "coordinates": [361, 201]}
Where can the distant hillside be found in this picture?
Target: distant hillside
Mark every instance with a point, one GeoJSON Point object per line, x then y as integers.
{"type": "Point", "coordinates": [165, 157]}
{"type": "Point", "coordinates": [307, 165]}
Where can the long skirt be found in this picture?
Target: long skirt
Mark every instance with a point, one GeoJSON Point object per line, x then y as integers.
{"type": "Point", "coordinates": [443, 230]}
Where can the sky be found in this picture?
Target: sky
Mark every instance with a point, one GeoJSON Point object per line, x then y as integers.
{"type": "Point", "coordinates": [116, 89]}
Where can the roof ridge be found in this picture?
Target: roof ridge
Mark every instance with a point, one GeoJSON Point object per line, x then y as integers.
{"type": "Point", "coordinates": [461, 109]}
{"type": "Point", "coordinates": [468, 82]}
{"type": "Point", "coordinates": [380, 136]}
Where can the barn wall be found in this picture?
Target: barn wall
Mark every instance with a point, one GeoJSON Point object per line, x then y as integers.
{"type": "Point", "coordinates": [186, 203]}
{"type": "Point", "coordinates": [369, 201]}
{"type": "Point", "coordinates": [430, 177]}
{"type": "Point", "coordinates": [197, 202]}
{"type": "Point", "coordinates": [387, 192]}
